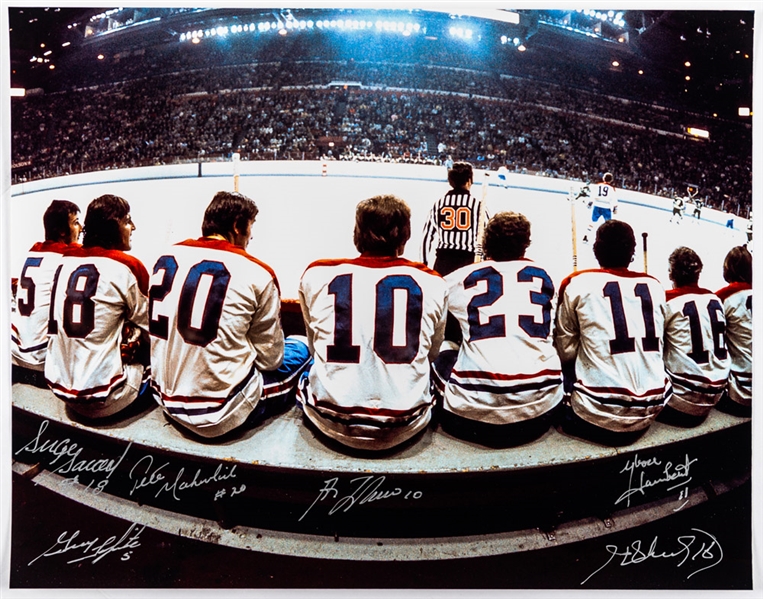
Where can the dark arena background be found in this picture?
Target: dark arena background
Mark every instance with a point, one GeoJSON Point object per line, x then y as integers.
{"type": "Point", "coordinates": [309, 111]}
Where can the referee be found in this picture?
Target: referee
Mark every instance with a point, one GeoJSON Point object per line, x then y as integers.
{"type": "Point", "coordinates": [451, 229]}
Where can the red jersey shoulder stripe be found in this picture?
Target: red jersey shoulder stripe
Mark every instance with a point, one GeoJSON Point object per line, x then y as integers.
{"type": "Point", "coordinates": [620, 272]}
{"type": "Point", "coordinates": [374, 262]}
{"type": "Point", "coordinates": [731, 289]}
{"type": "Point", "coordinates": [131, 262]}
{"type": "Point", "coordinates": [226, 246]}
{"type": "Point", "coordinates": [54, 247]}
{"type": "Point", "coordinates": [693, 289]}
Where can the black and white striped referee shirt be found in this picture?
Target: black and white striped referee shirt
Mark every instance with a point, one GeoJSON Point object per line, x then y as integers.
{"type": "Point", "coordinates": [452, 224]}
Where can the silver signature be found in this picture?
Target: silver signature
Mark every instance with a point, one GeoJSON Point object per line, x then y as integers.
{"type": "Point", "coordinates": [367, 490]}
{"type": "Point", "coordinates": [702, 548]}
{"type": "Point", "coordinates": [669, 473]}
{"type": "Point", "coordinates": [94, 549]}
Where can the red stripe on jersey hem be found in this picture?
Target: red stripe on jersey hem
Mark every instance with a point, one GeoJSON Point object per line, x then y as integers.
{"type": "Point", "coordinates": [226, 246]}
{"type": "Point", "coordinates": [131, 262]}
{"type": "Point", "coordinates": [693, 289]}
{"type": "Point", "coordinates": [621, 391]}
{"type": "Point", "coordinates": [364, 410]}
{"type": "Point", "coordinates": [188, 399]}
{"type": "Point", "coordinates": [730, 290]}
{"type": "Point", "coordinates": [82, 392]}
{"type": "Point", "coordinates": [620, 272]}
{"type": "Point", "coordinates": [481, 374]}
{"type": "Point", "coordinates": [374, 262]}
{"type": "Point", "coordinates": [698, 378]}
{"type": "Point", "coordinates": [54, 247]}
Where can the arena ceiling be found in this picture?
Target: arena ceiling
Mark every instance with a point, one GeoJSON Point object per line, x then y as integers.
{"type": "Point", "coordinates": [712, 48]}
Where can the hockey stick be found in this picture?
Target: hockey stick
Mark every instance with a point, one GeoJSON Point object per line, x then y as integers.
{"type": "Point", "coordinates": [646, 262]}
{"type": "Point", "coordinates": [481, 218]}
{"type": "Point", "coordinates": [236, 165]}
{"type": "Point", "coordinates": [574, 234]}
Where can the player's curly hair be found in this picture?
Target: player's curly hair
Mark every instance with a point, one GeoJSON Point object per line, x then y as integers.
{"type": "Point", "coordinates": [382, 225]}
{"type": "Point", "coordinates": [56, 219]}
{"type": "Point", "coordinates": [460, 174]}
{"type": "Point", "coordinates": [102, 222]}
{"type": "Point", "coordinates": [507, 236]}
{"type": "Point", "coordinates": [685, 266]}
{"type": "Point", "coordinates": [608, 178]}
{"type": "Point", "coordinates": [228, 209]}
{"type": "Point", "coordinates": [737, 266]}
{"type": "Point", "coordinates": [615, 244]}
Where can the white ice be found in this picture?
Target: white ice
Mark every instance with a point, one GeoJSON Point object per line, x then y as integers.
{"type": "Point", "coordinates": [307, 216]}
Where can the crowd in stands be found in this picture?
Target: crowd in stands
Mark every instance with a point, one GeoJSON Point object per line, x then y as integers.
{"type": "Point", "coordinates": [403, 112]}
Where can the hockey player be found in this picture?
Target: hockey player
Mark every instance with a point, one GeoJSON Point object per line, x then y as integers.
{"type": "Point", "coordinates": [679, 205]}
{"type": "Point", "coordinates": [373, 324]}
{"type": "Point", "coordinates": [451, 229]}
{"type": "Point", "coordinates": [218, 355]}
{"type": "Point", "coordinates": [609, 329]}
{"type": "Point", "coordinates": [737, 306]}
{"type": "Point", "coordinates": [507, 376]}
{"type": "Point", "coordinates": [29, 322]}
{"type": "Point", "coordinates": [696, 358]}
{"type": "Point", "coordinates": [503, 179]}
{"type": "Point", "coordinates": [97, 290]}
{"type": "Point", "coordinates": [604, 203]}
{"type": "Point", "coordinates": [698, 202]}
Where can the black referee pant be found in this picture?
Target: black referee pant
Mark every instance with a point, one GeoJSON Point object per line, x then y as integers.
{"type": "Point", "coordinates": [446, 261]}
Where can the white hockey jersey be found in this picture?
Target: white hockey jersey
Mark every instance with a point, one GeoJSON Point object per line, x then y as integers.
{"type": "Point", "coordinates": [737, 306]}
{"type": "Point", "coordinates": [29, 322]}
{"type": "Point", "coordinates": [373, 325]}
{"type": "Point", "coordinates": [93, 293]}
{"type": "Point", "coordinates": [214, 320]}
{"type": "Point", "coordinates": [696, 358]}
{"type": "Point", "coordinates": [604, 195]}
{"type": "Point", "coordinates": [507, 368]}
{"type": "Point", "coordinates": [611, 323]}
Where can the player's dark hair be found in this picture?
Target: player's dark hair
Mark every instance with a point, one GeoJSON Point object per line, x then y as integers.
{"type": "Point", "coordinates": [56, 219]}
{"type": "Point", "coordinates": [507, 236]}
{"type": "Point", "coordinates": [615, 244]}
{"type": "Point", "coordinates": [228, 209]}
{"type": "Point", "coordinates": [685, 266]}
{"type": "Point", "coordinates": [460, 174]}
{"type": "Point", "coordinates": [102, 222]}
{"type": "Point", "coordinates": [737, 266]}
{"type": "Point", "coordinates": [608, 178]}
{"type": "Point", "coordinates": [382, 225]}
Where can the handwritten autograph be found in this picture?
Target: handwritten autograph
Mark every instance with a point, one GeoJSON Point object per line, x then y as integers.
{"type": "Point", "coordinates": [62, 449]}
{"type": "Point", "coordinates": [709, 551]}
{"type": "Point", "coordinates": [145, 475]}
{"type": "Point", "coordinates": [669, 473]}
{"type": "Point", "coordinates": [368, 490]}
{"type": "Point", "coordinates": [92, 549]}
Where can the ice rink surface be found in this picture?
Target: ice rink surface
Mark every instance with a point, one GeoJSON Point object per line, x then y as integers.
{"type": "Point", "coordinates": [306, 217]}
